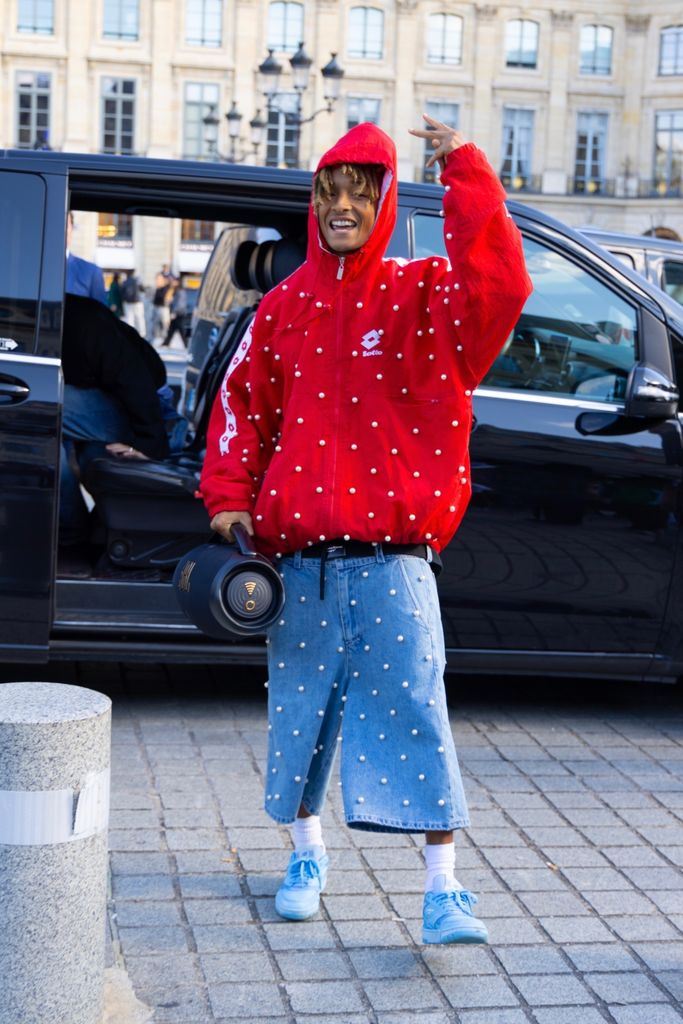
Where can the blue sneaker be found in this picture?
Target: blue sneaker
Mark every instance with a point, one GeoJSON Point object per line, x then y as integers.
{"type": "Point", "coordinates": [299, 895]}
{"type": "Point", "coordinates": [447, 916]}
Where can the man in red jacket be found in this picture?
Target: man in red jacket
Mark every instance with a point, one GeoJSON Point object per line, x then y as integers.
{"type": "Point", "coordinates": [340, 440]}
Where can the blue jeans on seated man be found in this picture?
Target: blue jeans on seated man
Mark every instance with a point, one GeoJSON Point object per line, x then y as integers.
{"type": "Point", "coordinates": [90, 415]}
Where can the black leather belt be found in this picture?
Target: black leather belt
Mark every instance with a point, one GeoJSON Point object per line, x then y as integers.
{"type": "Point", "coordinates": [330, 549]}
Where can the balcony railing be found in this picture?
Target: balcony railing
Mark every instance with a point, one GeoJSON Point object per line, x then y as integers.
{"type": "Point", "coordinates": [660, 187]}
{"type": "Point", "coordinates": [521, 182]}
{"type": "Point", "coordinates": [592, 186]}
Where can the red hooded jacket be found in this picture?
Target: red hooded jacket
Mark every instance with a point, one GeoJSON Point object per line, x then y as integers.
{"type": "Point", "coordinates": [346, 411]}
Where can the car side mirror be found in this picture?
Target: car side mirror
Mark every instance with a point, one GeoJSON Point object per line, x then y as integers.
{"type": "Point", "coordinates": [650, 393]}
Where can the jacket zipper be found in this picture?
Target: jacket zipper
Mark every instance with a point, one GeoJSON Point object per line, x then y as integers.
{"type": "Point", "coordinates": [340, 271]}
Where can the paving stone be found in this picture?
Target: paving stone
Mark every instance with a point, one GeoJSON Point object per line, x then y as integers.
{"type": "Point", "coordinates": [576, 856]}
{"type": "Point", "coordinates": [137, 818]}
{"type": "Point", "coordinates": [201, 886]}
{"type": "Point", "coordinates": [370, 933]}
{"type": "Point", "coordinates": [493, 1017]}
{"type": "Point", "coordinates": [634, 856]}
{"type": "Point", "coordinates": [295, 935]}
{"type": "Point", "coordinates": [142, 887]}
{"type": "Point", "coordinates": [152, 939]}
{"type": "Point", "coordinates": [646, 1014]}
{"type": "Point", "coordinates": [226, 938]}
{"type": "Point", "coordinates": [673, 980]}
{"type": "Point", "coordinates": [576, 929]}
{"type": "Point", "coordinates": [532, 960]}
{"type": "Point", "coordinates": [431, 1017]}
{"type": "Point", "coordinates": [385, 963]}
{"type": "Point", "coordinates": [356, 908]}
{"type": "Point", "coordinates": [181, 1006]}
{"type": "Point", "coordinates": [617, 989]}
{"type": "Point", "coordinates": [480, 992]}
{"type": "Point", "coordinates": [554, 904]}
{"type": "Point", "coordinates": [460, 961]}
{"type": "Point", "coordinates": [314, 966]}
{"type": "Point", "coordinates": [601, 957]}
{"type": "Point", "coordinates": [241, 967]}
{"type": "Point", "coordinates": [312, 997]}
{"type": "Point", "coordinates": [553, 990]}
{"type": "Point", "coordinates": [341, 883]}
{"type": "Point", "coordinates": [597, 878]}
{"type": "Point", "coordinates": [533, 880]}
{"type": "Point", "coordinates": [644, 928]}
{"type": "Point", "coordinates": [570, 1015]}
{"type": "Point", "coordinates": [124, 840]}
{"type": "Point", "coordinates": [163, 972]}
{"type": "Point", "coordinates": [403, 994]}
{"type": "Point", "coordinates": [660, 956]}
{"type": "Point", "coordinates": [654, 878]}
{"type": "Point", "coordinates": [239, 999]}
{"type": "Point", "coordinates": [201, 862]}
{"type": "Point", "coordinates": [614, 903]}
{"type": "Point", "coordinates": [148, 913]}
{"type": "Point", "coordinates": [195, 839]}
{"type": "Point", "coordinates": [212, 912]}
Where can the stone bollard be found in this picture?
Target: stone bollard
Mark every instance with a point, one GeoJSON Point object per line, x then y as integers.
{"type": "Point", "coordinates": [54, 808]}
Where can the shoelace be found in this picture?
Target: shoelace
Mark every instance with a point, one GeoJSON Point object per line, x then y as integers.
{"type": "Point", "coordinates": [303, 871]}
{"type": "Point", "coordinates": [463, 899]}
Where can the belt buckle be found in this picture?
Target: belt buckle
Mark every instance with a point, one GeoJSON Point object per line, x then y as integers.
{"type": "Point", "coordinates": [335, 551]}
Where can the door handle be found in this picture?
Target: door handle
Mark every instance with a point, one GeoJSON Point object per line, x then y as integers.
{"type": "Point", "coordinates": [13, 391]}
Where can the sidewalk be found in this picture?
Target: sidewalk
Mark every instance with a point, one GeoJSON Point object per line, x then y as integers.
{"type": "Point", "coordinates": [575, 852]}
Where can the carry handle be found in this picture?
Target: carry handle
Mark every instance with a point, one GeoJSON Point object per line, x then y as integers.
{"type": "Point", "coordinates": [244, 541]}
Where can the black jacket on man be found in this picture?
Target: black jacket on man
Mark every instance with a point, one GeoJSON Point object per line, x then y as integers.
{"type": "Point", "coordinates": [101, 351]}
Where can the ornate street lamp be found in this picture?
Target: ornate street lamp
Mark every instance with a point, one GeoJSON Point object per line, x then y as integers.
{"type": "Point", "coordinates": [257, 128]}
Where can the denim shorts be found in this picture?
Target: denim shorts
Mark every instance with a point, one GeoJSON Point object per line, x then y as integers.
{"type": "Point", "coordinates": [362, 670]}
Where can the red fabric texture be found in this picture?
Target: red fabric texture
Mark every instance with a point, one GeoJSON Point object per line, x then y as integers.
{"type": "Point", "coordinates": [346, 412]}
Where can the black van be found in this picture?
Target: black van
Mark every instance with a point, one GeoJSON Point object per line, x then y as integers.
{"type": "Point", "coordinates": [569, 557]}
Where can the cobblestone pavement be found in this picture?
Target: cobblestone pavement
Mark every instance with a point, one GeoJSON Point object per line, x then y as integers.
{"type": "Point", "coordinates": [576, 795]}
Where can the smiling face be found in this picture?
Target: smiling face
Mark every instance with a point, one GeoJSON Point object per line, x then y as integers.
{"type": "Point", "coordinates": [346, 210]}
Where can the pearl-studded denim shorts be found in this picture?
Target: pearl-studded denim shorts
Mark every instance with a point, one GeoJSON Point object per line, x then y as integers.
{"type": "Point", "coordinates": [362, 669]}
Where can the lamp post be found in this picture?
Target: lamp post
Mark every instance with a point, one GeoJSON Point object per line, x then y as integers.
{"type": "Point", "coordinates": [269, 74]}
{"type": "Point", "coordinates": [257, 127]}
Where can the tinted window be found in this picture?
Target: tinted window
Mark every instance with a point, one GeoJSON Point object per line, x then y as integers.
{"type": "Point", "coordinates": [575, 335]}
{"type": "Point", "coordinates": [22, 200]}
{"type": "Point", "coordinates": [673, 279]}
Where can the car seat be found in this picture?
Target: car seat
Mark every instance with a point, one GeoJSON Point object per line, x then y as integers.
{"type": "Point", "coordinates": [150, 510]}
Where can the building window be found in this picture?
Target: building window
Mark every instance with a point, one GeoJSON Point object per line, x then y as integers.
{"type": "Point", "coordinates": [596, 50]}
{"type": "Point", "coordinates": [444, 39]}
{"type": "Point", "coordinates": [199, 99]}
{"type": "Point", "coordinates": [121, 19]}
{"type": "Point", "coordinates": [669, 151]}
{"type": "Point", "coordinates": [33, 110]}
{"type": "Point", "coordinates": [671, 50]}
{"type": "Point", "coordinates": [285, 26]}
{"type": "Point", "coordinates": [118, 115]}
{"type": "Point", "coordinates": [521, 43]}
{"type": "Point", "coordinates": [589, 163]}
{"type": "Point", "coordinates": [282, 134]}
{"type": "Point", "coordinates": [518, 128]}
{"type": "Point", "coordinates": [366, 33]}
{"type": "Point", "coordinates": [197, 234]}
{"type": "Point", "coordinates": [360, 109]}
{"type": "Point", "coordinates": [447, 113]}
{"type": "Point", "coordinates": [115, 230]}
{"type": "Point", "coordinates": [203, 22]}
{"type": "Point", "coordinates": [36, 16]}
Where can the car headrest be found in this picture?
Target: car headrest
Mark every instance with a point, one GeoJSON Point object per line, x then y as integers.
{"type": "Point", "coordinates": [262, 266]}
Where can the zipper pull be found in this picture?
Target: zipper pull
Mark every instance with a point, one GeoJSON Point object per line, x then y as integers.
{"type": "Point", "coordinates": [340, 272]}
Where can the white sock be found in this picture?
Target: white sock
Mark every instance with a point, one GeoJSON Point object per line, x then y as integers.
{"type": "Point", "coordinates": [307, 832]}
{"type": "Point", "coordinates": [440, 864]}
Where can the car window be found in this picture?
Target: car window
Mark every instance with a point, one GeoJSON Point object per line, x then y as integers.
{"type": "Point", "coordinates": [575, 335]}
{"type": "Point", "coordinates": [625, 257]}
{"type": "Point", "coordinates": [673, 279]}
{"type": "Point", "coordinates": [21, 214]}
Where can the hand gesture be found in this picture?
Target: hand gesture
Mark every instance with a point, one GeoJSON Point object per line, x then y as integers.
{"type": "Point", "coordinates": [442, 138]}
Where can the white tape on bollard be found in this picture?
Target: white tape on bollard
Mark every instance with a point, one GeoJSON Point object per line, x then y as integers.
{"type": "Point", "coordinates": [45, 817]}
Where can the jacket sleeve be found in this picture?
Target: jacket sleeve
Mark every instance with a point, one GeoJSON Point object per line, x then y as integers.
{"type": "Point", "coordinates": [486, 284]}
{"type": "Point", "coordinates": [236, 446]}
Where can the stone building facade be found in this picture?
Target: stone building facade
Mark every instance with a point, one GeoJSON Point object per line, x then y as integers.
{"type": "Point", "coordinates": [579, 108]}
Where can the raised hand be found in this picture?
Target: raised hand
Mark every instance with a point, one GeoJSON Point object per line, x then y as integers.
{"type": "Point", "coordinates": [443, 139]}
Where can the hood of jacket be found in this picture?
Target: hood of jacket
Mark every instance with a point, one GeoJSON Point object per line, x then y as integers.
{"type": "Point", "coordinates": [364, 144]}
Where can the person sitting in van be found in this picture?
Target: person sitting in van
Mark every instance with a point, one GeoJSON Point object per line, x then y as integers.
{"type": "Point", "coordinates": [115, 400]}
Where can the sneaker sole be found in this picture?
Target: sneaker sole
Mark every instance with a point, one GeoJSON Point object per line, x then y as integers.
{"type": "Point", "coordinates": [459, 935]}
{"type": "Point", "coordinates": [294, 913]}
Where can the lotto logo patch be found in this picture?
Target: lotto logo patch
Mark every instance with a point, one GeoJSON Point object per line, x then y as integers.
{"type": "Point", "coordinates": [370, 341]}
